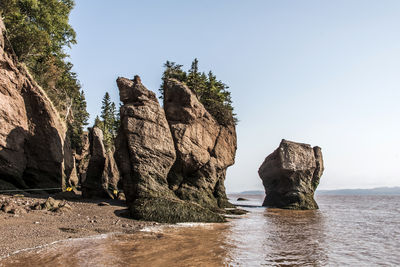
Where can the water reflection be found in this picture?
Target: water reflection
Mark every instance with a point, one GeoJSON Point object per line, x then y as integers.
{"type": "Point", "coordinates": [275, 237]}
{"type": "Point", "coordinates": [294, 238]}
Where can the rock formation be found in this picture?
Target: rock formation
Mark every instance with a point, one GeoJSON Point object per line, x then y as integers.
{"type": "Point", "coordinates": [291, 175]}
{"type": "Point", "coordinates": [145, 154]}
{"type": "Point", "coordinates": [34, 152]}
{"type": "Point", "coordinates": [82, 157]}
{"type": "Point", "coordinates": [101, 176]}
{"type": "Point", "coordinates": [204, 148]}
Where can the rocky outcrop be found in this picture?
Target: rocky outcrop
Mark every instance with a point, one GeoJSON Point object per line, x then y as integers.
{"type": "Point", "coordinates": [102, 175]}
{"type": "Point", "coordinates": [291, 175]}
{"type": "Point", "coordinates": [145, 154]}
{"type": "Point", "coordinates": [33, 148]}
{"type": "Point", "coordinates": [82, 157]}
{"type": "Point", "coordinates": [204, 148]}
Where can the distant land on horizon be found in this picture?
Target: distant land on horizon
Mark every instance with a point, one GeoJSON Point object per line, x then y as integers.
{"type": "Point", "coordinates": [371, 191]}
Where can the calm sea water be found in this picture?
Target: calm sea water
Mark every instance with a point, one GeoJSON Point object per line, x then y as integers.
{"type": "Point", "coordinates": [346, 231]}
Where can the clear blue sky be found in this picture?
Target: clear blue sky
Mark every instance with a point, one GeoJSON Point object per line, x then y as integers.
{"type": "Point", "coordinates": [325, 73]}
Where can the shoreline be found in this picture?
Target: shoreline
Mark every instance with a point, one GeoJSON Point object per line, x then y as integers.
{"type": "Point", "coordinates": [99, 236]}
{"type": "Point", "coordinates": [26, 229]}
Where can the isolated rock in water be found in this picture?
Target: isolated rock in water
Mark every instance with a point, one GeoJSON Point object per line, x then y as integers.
{"type": "Point", "coordinates": [291, 175]}
{"type": "Point", "coordinates": [145, 153]}
{"type": "Point", "coordinates": [102, 175]}
{"type": "Point", "coordinates": [33, 151]}
{"type": "Point", "coordinates": [204, 148]}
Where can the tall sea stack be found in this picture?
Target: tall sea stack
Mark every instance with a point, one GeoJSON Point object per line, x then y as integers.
{"type": "Point", "coordinates": [204, 148]}
{"type": "Point", "coordinates": [145, 153]}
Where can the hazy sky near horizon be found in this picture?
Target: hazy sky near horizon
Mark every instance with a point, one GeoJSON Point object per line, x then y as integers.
{"type": "Point", "coordinates": [325, 73]}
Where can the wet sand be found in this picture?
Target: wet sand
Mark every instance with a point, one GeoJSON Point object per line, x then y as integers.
{"type": "Point", "coordinates": [36, 228]}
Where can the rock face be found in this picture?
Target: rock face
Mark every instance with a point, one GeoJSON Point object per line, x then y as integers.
{"type": "Point", "coordinates": [82, 157]}
{"type": "Point", "coordinates": [102, 175]}
{"type": "Point", "coordinates": [204, 148]}
{"type": "Point", "coordinates": [33, 148]}
{"type": "Point", "coordinates": [291, 175]}
{"type": "Point", "coordinates": [145, 154]}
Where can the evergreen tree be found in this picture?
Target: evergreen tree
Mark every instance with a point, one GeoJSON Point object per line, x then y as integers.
{"type": "Point", "coordinates": [172, 70]}
{"type": "Point", "coordinates": [80, 119]}
{"type": "Point", "coordinates": [196, 81]}
{"type": "Point", "coordinates": [110, 121]}
{"type": "Point", "coordinates": [117, 119]}
{"type": "Point", "coordinates": [98, 122]}
{"type": "Point", "coordinates": [211, 92]}
{"type": "Point", "coordinates": [37, 33]}
{"type": "Point", "coordinates": [38, 29]}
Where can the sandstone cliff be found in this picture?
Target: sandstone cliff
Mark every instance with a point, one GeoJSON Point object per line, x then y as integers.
{"type": "Point", "coordinates": [34, 152]}
{"type": "Point", "coordinates": [291, 175]}
{"type": "Point", "coordinates": [146, 151]}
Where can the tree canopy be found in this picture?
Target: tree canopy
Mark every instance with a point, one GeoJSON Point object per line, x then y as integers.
{"type": "Point", "coordinates": [211, 92]}
{"type": "Point", "coordinates": [39, 31]}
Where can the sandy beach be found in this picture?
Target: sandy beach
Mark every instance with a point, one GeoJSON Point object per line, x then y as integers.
{"type": "Point", "coordinates": [24, 227]}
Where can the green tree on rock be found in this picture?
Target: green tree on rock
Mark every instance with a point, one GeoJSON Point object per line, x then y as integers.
{"type": "Point", "coordinates": [211, 92]}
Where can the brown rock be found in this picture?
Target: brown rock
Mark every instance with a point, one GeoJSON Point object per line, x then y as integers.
{"type": "Point", "coordinates": [95, 184]}
{"type": "Point", "coordinates": [145, 149]}
{"type": "Point", "coordinates": [204, 148]}
{"type": "Point", "coordinates": [83, 157]}
{"type": "Point", "coordinates": [111, 172]}
{"type": "Point", "coordinates": [291, 175]}
{"type": "Point", "coordinates": [145, 154]}
{"type": "Point", "coordinates": [7, 207]}
{"type": "Point", "coordinates": [33, 151]}
{"type": "Point", "coordinates": [97, 167]}
{"type": "Point", "coordinates": [51, 204]}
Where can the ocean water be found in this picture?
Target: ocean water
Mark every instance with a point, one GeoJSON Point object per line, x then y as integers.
{"type": "Point", "coordinates": [345, 231]}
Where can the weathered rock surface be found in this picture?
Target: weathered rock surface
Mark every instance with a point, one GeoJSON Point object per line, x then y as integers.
{"type": "Point", "coordinates": [145, 154]}
{"type": "Point", "coordinates": [204, 148]}
{"type": "Point", "coordinates": [33, 151]}
{"type": "Point", "coordinates": [82, 157]}
{"type": "Point", "coordinates": [291, 175]}
{"type": "Point", "coordinates": [102, 175]}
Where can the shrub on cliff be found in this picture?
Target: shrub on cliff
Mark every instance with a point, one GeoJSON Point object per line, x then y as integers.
{"type": "Point", "coordinates": [212, 93]}
{"type": "Point", "coordinates": [38, 31]}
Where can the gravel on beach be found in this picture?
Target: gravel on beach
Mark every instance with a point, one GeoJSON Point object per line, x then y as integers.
{"type": "Point", "coordinates": [29, 221]}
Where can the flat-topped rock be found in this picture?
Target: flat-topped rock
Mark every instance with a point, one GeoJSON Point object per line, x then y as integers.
{"type": "Point", "coordinates": [291, 175]}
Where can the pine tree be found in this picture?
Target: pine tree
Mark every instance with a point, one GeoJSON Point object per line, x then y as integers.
{"type": "Point", "coordinates": [79, 119]}
{"type": "Point", "coordinates": [196, 81]}
{"type": "Point", "coordinates": [172, 70]}
{"type": "Point", "coordinates": [117, 119]}
{"type": "Point", "coordinates": [110, 120]}
{"type": "Point", "coordinates": [98, 122]}
{"type": "Point", "coordinates": [211, 92]}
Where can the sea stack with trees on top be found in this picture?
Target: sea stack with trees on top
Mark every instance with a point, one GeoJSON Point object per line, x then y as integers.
{"type": "Point", "coordinates": [172, 162]}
